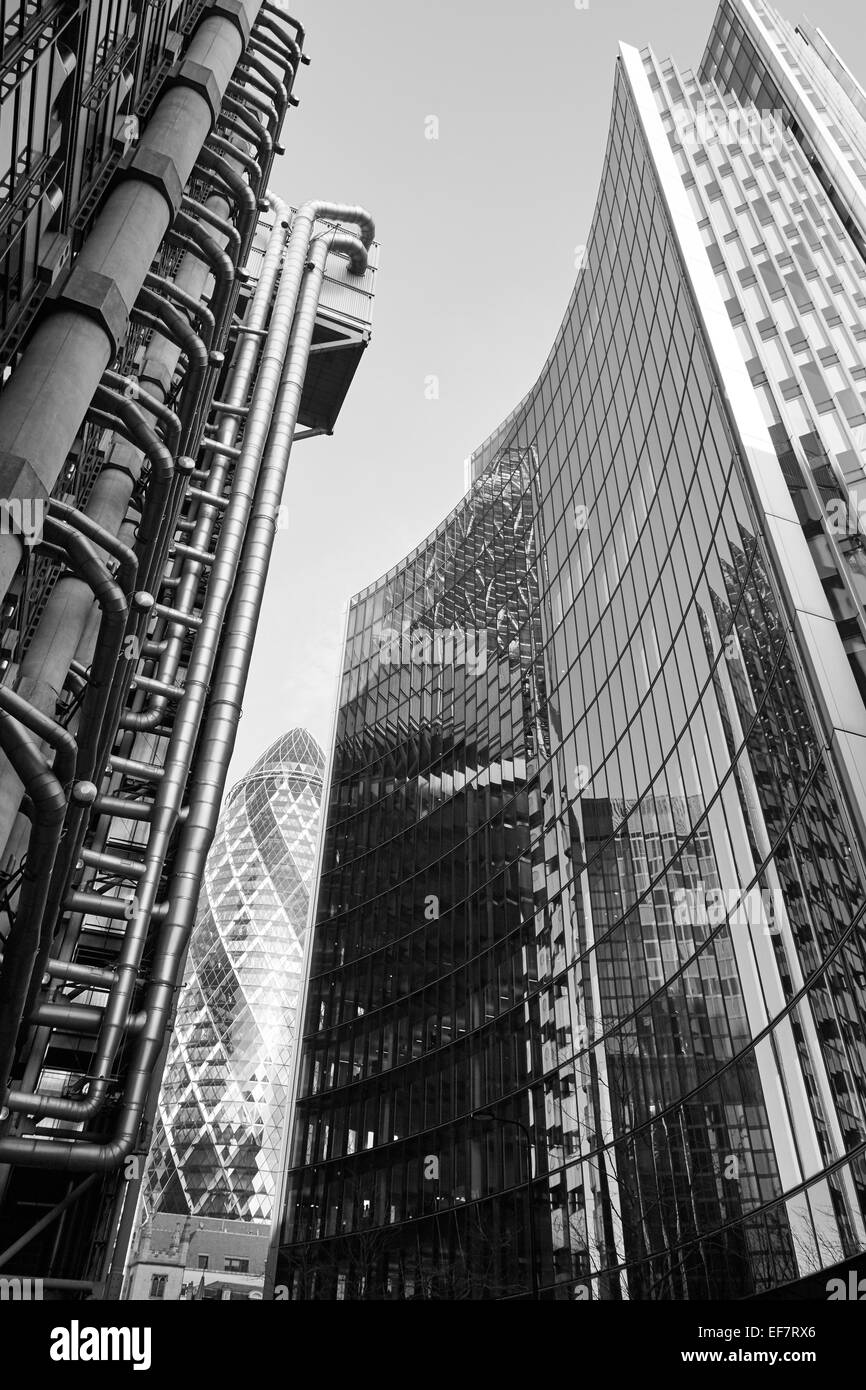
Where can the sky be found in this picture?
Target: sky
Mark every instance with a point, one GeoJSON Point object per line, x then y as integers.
{"type": "Point", "coordinates": [479, 230]}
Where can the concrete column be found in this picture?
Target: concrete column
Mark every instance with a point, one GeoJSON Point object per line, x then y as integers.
{"type": "Point", "coordinates": [69, 624]}
{"type": "Point", "coordinates": [45, 400]}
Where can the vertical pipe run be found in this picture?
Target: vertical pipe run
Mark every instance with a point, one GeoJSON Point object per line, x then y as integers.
{"type": "Point", "coordinates": [278, 386]}
{"type": "Point", "coordinates": [45, 399]}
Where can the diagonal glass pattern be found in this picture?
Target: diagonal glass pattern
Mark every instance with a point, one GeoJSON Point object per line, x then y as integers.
{"type": "Point", "coordinates": [216, 1145]}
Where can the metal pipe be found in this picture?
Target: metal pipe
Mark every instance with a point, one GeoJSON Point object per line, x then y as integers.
{"type": "Point", "coordinates": [258, 133]}
{"type": "Point", "coordinates": [260, 75]}
{"type": "Point", "coordinates": [68, 610]}
{"type": "Point", "coordinates": [103, 674]}
{"type": "Point", "coordinates": [46, 729]}
{"type": "Point", "coordinates": [206, 515]}
{"type": "Point", "coordinates": [217, 740]}
{"type": "Point", "coordinates": [218, 145]}
{"type": "Point", "coordinates": [275, 52]}
{"type": "Point", "coordinates": [148, 401]}
{"type": "Point", "coordinates": [178, 329]}
{"type": "Point", "coordinates": [112, 601]}
{"type": "Point", "coordinates": [48, 803]}
{"type": "Point", "coordinates": [221, 224]}
{"type": "Point", "coordinates": [112, 864]}
{"type": "Point", "coordinates": [245, 93]}
{"type": "Point", "coordinates": [300, 33]}
{"type": "Point", "coordinates": [245, 201]}
{"type": "Point", "coordinates": [92, 975]}
{"type": "Point", "coordinates": [193, 306]}
{"type": "Point", "coordinates": [78, 974]}
{"type": "Point", "coordinates": [208, 250]}
{"type": "Point", "coordinates": [293, 49]}
{"type": "Point", "coordinates": [69, 350]}
{"type": "Point", "coordinates": [44, 669]}
{"type": "Point", "coordinates": [117, 806]}
{"type": "Point", "coordinates": [172, 939]}
{"type": "Point", "coordinates": [63, 1107]}
{"type": "Point", "coordinates": [73, 1018]}
{"type": "Point", "coordinates": [129, 420]}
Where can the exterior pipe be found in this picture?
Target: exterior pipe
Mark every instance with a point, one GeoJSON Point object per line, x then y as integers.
{"type": "Point", "coordinates": [260, 75]}
{"type": "Point", "coordinates": [159, 324]}
{"type": "Point", "coordinates": [119, 806]}
{"type": "Point", "coordinates": [300, 33]}
{"type": "Point", "coordinates": [177, 328]}
{"type": "Point", "coordinates": [78, 974]}
{"type": "Point", "coordinates": [116, 1011]}
{"type": "Point", "coordinates": [95, 740]}
{"type": "Point", "coordinates": [274, 52]}
{"type": "Point", "coordinates": [261, 103]}
{"type": "Point", "coordinates": [244, 198]}
{"type": "Point", "coordinates": [147, 401]}
{"type": "Point", "coordinates": [283, 42]}
{"type": "Point", "coordinates": [172, 940]}
{"type": "Point", "coordinates": [202, 245]}
{"type": "Point", "coordinates": [131, 767]}
{"type": "Point", "coordinates": [169, 290]}
{"type": "Point", "coordinates": [244, 123]}
{"type": "Point", "coordinates": [68, 351]}
{"type": "Point", "coordinates": [221, 224]}
{"type": "Point", "coordinates": [46, 729]}
{"type": "Point", "coordinates": [217, 741]}
{"type": "Point", "coordinates": [114, 608]}
{"type": "Point", "coordinates": [216, 143]}
{"type": "Point", "coordinates": [73, 1018]}
{"type": "Point", "coordinates": [187, 578]}
{"type": "Point", "coordinates": [109, 596]}
{"type": "Point", "coordinates": [48, 802]}
{"type": "Point", "coordinates": [44, 669]}
{"type": "Point", "coordinates": [138, 431]}
{"type": "Point", "coordinates": [127, 563]}
{"type": "Point", "coordinates": [112, 864]}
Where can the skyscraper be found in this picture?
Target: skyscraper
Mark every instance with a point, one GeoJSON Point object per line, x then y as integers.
{"type": "Point", "coordinates": [159, 311]}
{"type": "Point", "coordinates": [585, 1014]}
{"type": "Point", "coordinates": [222, 1106]}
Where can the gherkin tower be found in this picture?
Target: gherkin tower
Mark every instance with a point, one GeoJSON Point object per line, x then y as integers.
{"type": "Point", "coordinates": [217, 1137]}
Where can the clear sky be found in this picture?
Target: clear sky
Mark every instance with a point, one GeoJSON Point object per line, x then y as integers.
{"type": "Point", "coordinates": [478, 231]}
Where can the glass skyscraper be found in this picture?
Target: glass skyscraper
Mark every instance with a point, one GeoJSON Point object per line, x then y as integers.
{"type": "Point", "coordinates": [585, 1011]}
{"type": "Point", "coordinates": [222, 1107]}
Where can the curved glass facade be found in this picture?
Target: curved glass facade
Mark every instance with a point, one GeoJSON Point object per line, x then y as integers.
{"type": "Point", "coordinates": [593, 861]}
{"type": "Point", "coordinates": [216, 1144]}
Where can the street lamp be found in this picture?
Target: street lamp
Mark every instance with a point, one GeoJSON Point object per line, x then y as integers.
{"type": "Point", "coordinates": [518, 1124]}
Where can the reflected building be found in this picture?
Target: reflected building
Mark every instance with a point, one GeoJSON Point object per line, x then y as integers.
{"type": "Point", "coordinates": [216, 1143]}
{"type": "Point", "coordinates": [591, 905]}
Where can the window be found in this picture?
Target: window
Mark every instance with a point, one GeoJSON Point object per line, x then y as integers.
{"type": "Point", "coordinates": [203, 1261]}
{"type": "Point", "coordinates": [235, 1266]}
{"type": "Point", "coordinates": [157, 1285]}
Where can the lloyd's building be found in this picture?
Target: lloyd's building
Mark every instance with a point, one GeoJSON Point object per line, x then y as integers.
{"type": "Point", "coordinates": [587, 981]}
